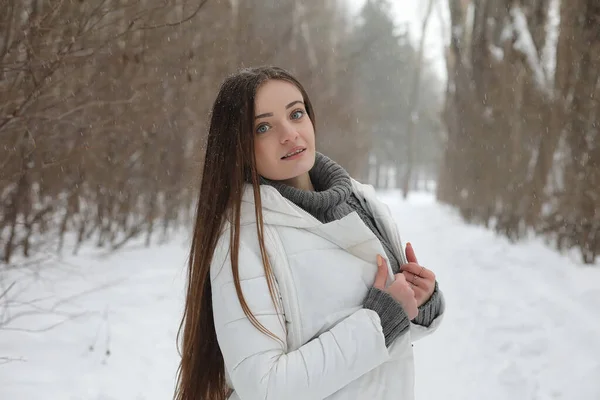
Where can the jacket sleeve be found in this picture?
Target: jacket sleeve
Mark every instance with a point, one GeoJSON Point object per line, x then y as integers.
{"type": "Point", "coordinates": [261, 367]}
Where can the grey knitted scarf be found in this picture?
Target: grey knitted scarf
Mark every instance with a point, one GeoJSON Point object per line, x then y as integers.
{"type": "Point", "coordinates": [332, 199]}
{"type": "Point", "coordinates": [332, 189]}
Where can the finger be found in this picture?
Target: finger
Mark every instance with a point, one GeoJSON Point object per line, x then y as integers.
{"type": "Point", "coordinates": [382, 273]}
{"type": "Point", "coordinates": [405, 288]}
{"type": "Point", "coordinates": [424, 292]}
{"type": "Point", "coordinates": [421, 282]}
{"type": "Point", "coordinates": [412, 268]}
{"type": "Point", "coordinates": [401, 278]}
{"type": "Point", "coordinates": [410, 278]}
{"type": "Point", "coordinates": [418, 270]}
{"type": "Point", "coordinates": [410, 253]}
{"type": "Point", "coordinates": [419, 292]}
{"type": "Point", "coordinates": [421, 297]}
{"type": "Point", "coordinates": [401, 282]}
{"type": "Point", "coordinates": [416, 280]}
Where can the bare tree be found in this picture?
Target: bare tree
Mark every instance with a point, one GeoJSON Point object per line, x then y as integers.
{"type": "Point", "coordinates": [413, 115]}
{"type": "Point", "coordinates": [521, 102]}
{"type": "Point", "coordinates": [104, 105]}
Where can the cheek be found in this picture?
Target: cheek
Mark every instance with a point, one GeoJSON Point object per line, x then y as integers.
{"type": "Point", "coordinates": [308, 130]}
{"type": "Point", "coordinates": [262, 150]}
{"type": "Point", "coordinates": [309, 135]}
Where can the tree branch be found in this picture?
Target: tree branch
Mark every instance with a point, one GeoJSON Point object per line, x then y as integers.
{"type": "Point", "coordinates": [173, 24]}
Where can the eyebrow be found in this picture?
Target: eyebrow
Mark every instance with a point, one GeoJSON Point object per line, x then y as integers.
{"type": "Point", "coordinates": [286, 107]}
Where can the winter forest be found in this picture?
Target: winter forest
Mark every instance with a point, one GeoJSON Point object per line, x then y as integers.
{"type": "Point", "coordinates": [104, 110]}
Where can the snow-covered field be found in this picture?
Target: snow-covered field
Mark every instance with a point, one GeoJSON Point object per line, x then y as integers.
{"type": "Point", "coordinates": [522, 322]}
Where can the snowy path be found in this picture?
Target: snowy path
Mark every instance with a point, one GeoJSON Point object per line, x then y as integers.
{"type": "Point", "coordinates": [522, 322]}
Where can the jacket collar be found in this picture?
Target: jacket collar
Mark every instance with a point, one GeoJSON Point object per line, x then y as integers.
{"type": "Point", "coordinates": [349, 232]}
{"type": "Point", "coordinates": [277, 210]}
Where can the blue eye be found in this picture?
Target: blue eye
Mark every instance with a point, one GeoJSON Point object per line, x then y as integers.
{"type": "Point", "coordinates": [262, 128]}
{"type": "Point", "coordinates": [297, 114]}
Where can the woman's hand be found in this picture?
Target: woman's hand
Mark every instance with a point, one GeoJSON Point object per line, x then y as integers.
{"type": "Point", "coordinates": [400, 290]}
{"type": "Point", "coordinates": [418, 277]}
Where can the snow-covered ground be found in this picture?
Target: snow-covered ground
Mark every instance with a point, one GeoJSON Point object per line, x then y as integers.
{"type": "Point", "coordinates": [522, 322]}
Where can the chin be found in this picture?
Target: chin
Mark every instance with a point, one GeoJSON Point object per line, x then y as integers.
{"type": "Point", "coordinates": [304, 164]}
{"type": "Point", "coordinates": [298, 168]}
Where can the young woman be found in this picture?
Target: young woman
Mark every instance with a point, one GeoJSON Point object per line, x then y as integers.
{"type": "Point", "coordinates": [298, 284]}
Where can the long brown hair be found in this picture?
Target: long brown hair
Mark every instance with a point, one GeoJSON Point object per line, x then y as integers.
{"type": "Point", "coordinates": [229, 164]}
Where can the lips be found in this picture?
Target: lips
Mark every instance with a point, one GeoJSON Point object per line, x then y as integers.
{"type": "Point", "coordinates": [294, 151]}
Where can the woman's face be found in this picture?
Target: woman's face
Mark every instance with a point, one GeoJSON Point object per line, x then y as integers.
{"type": "Point", "coordinates": [284, 142]}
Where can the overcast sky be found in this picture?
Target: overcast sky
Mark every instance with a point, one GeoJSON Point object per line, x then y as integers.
{"type": "Point", "coordinates": [412, 12]}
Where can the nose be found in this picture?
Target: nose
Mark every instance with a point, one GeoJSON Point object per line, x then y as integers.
{"type": "Point", "coordinates": [288, 133]}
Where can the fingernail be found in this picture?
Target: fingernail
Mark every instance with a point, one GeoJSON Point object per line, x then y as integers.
{"type": "Point", "coordinates": [379, 260]}
{"type": "Point", "coordinates": [408, 244]}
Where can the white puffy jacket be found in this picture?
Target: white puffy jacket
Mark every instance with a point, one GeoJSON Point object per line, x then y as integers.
{"type": "Point", "coordinates": [330, 347]}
